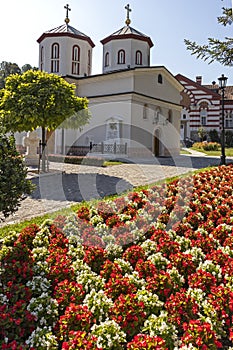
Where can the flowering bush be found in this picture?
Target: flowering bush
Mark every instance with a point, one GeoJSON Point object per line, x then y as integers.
{"type": "Point", "coordinates": [200, 334]}
{"type": "Point", "coordinates": [143, 341]}
{"type": "Point", "coordinates": [149, 270]}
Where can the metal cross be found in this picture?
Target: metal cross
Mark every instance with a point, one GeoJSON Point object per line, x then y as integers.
{"type": "Point", "coordinates": [127, 7]}
{"type": "Point", "coordinates": [67, 10]}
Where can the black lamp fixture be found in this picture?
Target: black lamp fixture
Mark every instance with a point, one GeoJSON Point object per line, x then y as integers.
{"type": "Point", "coordinates": [222, 85]}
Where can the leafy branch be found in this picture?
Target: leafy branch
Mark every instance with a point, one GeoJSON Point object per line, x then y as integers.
{"type": "Point", "coordinates": [215, 50]}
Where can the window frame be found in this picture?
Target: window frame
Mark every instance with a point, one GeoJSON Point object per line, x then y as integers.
{"type": "Point", "coordinates": [106, 59]}
{"type": "Point", "coordinates": [55, 57]}
{"type": "Point", "coordinates": [75, 60]}
{"type": "Point", "coordinates": [138, 58]}
{"type": "Point", "coordinates": [121, 56]}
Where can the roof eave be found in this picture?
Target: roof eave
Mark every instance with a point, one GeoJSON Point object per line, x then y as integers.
{"type": "Point", "coordinates": [127, 36]}
{"type": "Point", "coordinates": [53, 35]}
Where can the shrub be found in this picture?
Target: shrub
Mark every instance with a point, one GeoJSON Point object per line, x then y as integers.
{"type": "Point", "coordinates": [207, 146]}
{"type": "Point", "coordinates": [214, 137]}
{"type": "Point", "coordinates": [13, 173]}
{"type": "Point", "coordinates": [229, 138]}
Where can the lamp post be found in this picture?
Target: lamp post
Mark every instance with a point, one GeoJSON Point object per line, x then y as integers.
{"type": "Point", "coordinates": [222, 85]}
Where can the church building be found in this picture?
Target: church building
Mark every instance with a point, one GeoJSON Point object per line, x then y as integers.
{"type": "Point", "coordinates": [135, 107]}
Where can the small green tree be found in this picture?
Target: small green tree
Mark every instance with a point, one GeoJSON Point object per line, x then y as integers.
{"type": "Point", "coordinates": [201, 133]}
{"type": "Point", "coordinates": [39, 99]}
{"type": "Point", "coordinates": [13, 182]}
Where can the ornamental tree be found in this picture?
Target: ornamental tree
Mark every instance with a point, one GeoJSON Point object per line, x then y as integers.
{"type": "Point", "coordinates": [13, 182]}
{"type": "Point", "coordinates": [39, 99]}
{"type": "Point", "coordinates": [215, 50]}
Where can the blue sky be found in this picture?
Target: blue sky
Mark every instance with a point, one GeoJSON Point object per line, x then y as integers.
{"type": "Point", "coordinates": [167, 22]}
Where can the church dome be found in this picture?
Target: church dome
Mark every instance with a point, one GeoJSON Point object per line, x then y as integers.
{"type": "Point", "coordinates": [128, 32]}
{"type": "Point", "coordinates": [66, 51]}
{"type": "Point", "coordinates": [126, 48]}
{"type": "Point", "coordinates": [66, 30]}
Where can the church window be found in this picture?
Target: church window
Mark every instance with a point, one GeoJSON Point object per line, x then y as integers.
{"type": "Point", "coordinates": [145, 111]}
{"type": "Point", "coordinates": [170, 116]}
{"type": "Point", "coordinates": [138, 58]}
{"type": "Point", "coordinates": [121, 57]}
{"type": "Point", "coordinates": [55, 58]}
{"type": "Point", "coordinates": [160, 79]}
{"type": "Point", "coordinates": [203, 117]}
{"type": "Point", "coordinates": [89, 57]}
{"type": "Point", "coordinates": [75, 60]}
{"type": "Point", "coordinates": [229, 120]}
{"type": "Point", "coordinates": [89, 63]}
{"type": "Point", "coordinates": [106, 61]}
{"type": "Point", "coordinates": [42, 58]}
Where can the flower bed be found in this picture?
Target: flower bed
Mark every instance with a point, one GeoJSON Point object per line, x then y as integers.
{"type": "Point", "coordinates": [149, 270]}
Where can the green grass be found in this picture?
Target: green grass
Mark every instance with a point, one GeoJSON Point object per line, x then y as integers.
{"type": "Point", "coordinates": [111, 163]}
{"type": "Point", "coordinates": [184, 151]}
{"type": "Point", "coordinates": [228, 151]}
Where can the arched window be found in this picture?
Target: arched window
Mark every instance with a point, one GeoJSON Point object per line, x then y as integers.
{"type": "Point", "coordinates": [89, 63]}
{"type": "Point", "coordinates": [42, 58]}
{"type": "Point", "coordinates": [138, 58]}
{"type": "Point", "coordinates": [75, 60]}
{"type": "Point", "coordinates": [203, 117]}
{"type": "Point", "coordinates": [55, 58]}
{"type": "Point", "coordinates": [121, 57]}
{"type": "Point", "coordinates": [228, 119]}
{"type": "Point", "coordinates": [106, 60]}
{"type": "Point", "coordinates": [170, 116]}
{"type": "Point", "coordinates": [145, 111]}
{"type": "Point", "coordinates": [160, 79]}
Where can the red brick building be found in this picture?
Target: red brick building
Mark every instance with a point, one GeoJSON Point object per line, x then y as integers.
{"type": "Point", "coordinates": [202, 107]}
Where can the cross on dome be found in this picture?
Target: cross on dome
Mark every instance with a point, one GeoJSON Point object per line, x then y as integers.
{"type": "Point", "coordinates": [67, 20]}
{"type": "Point", "coordinates": [128, 9]}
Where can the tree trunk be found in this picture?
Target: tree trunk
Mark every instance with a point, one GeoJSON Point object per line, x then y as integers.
{"type": "Point", "coordinates": [43, 159]}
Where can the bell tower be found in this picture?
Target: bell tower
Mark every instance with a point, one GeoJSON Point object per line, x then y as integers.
{"type": "Point", "coordinates": [126, 48]}
{"type": "Point", "coordinates": [65, 50]}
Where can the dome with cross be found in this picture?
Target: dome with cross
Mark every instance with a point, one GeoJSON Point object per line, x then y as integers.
{"type": "Point", "coordinates": [64, 50]}
{"type": "Point", "coordinates": [126, 48]}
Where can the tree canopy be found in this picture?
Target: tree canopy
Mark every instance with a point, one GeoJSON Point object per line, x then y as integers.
{"type": "Point", "coordinates": [38, 99]}
{"type": "Point", "coordinates": [216, 49]}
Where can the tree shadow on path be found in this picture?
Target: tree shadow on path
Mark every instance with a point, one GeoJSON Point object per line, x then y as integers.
{"type": "Point", "coordinates": [78, 187]}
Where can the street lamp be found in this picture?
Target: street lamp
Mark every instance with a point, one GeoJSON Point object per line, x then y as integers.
{"type": "Point", "coordinates": [222, 85]}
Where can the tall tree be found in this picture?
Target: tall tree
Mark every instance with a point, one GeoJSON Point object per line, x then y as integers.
{"type": "Point", "coordinates": [215, 50]}
{"type": "Point", "coordinates": [6, 69]}
{"type": "Point", "coordinates": [27, 67]}
{"type": "Point", "coordinates": [39, 99]}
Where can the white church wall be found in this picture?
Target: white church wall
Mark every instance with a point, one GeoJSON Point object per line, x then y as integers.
{"type": "Point", "coordinates": [95, 131]}
{"type": "Point", "coordinates": [146, 82]}
{"type": "Point", "coordinates": [139, 45]}
{"type": "Point", "coordinates": [106, 84]}
{"type": "Point", "coordinates": [130, 46]}
{"type": "Point", "coordinates": [65, 54]}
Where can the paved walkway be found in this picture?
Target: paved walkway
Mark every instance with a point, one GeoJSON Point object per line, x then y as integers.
{"type": "Point", "coordinates": [67, 184]}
